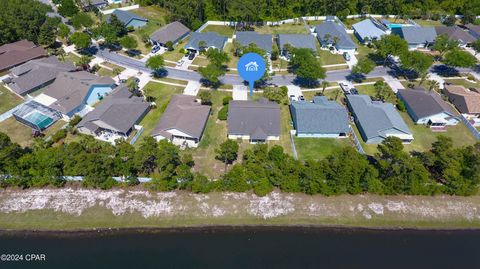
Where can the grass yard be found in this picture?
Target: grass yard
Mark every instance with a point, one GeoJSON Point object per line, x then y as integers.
{"type": "Point", "coordinates": [105, 72]}
{"type": "Point", "coordinates": [162, 94]}
{"type": "Point", "coordinates": [319, 148]}
{"type": "Point", "coordinates": [369, 89]}
{"type": "Point", "coordinates": [17, 132]}
{"type": "Point", "coordinates": [215, 133]}
{"type": "Point", "coordinates": [287, 28]}
{"type": "Point", "coordinates": [463, 82]}
{"type": "Point", "coordinates": [429, 23]}
{"type": "Point", "coordinates": [362, 50]}
{"type": "Point", "coordinates": [201, 60]}
{"type": "Point", "coordinates": [112, 66]}
{"type": "Point", "coordinates": [233, 59]}
{"type": "Point", "coordinates": [331, 94]}
{"type": "Point", "coordinates": [156, 19]}
{"type": "Point", "coordinates": [8, 100]}
{"type": "Point", "coordinates": [220, 29]}
{"type": "Point", "coordinates": [175, 54]}
{"type": "Point", "coordinates": [280, 64]}
{"type": "Point", "coordinates": [70, 57]}
{"type": "Point", "coordinates": [349, 22]}
{"type": "Point", "coordinates": [328, 58]}
{"type": "Point", "coordinates": [172, 80]}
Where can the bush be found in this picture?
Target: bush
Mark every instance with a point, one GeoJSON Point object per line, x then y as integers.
{"type": "Point", "coordinates": [278, 95]}
{"type": "Point", "coordinates": [471, 77]}
{"type": "Point", "coordinates": [223, 113]}
{"type": "Point", "coordinates": [74, 121]}
{"type": "Point", "coordinates": [401, 105]}
{"type": "Point", "coordinates": [59, 135]}
{"type": "Point", "coordinates": [183, 51]}
{"type": "Point", "coordinates": [226, 100]}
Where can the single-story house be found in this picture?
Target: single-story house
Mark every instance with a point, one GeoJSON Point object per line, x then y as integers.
{"type": "Point", "coordinates": [473, 29]}
{"type": "Point", "coordinates": [92, 4]}
{"type": "Point", "coordinates": [320, 118]}
{"type": "Point", "coordinates": [257, 121]}
{"type": "Point", "coordinates": [456, 33]}
{"type": "Point", "coordinates": [332, 33]}
{"type": "Point", "coordinates": [174, 32]}
{"type": "Point", "coordinates": [427, 107]}
{"type": "Point", "coordinates": [262, 41]}
{"type": "Point", "coordinates": [377, 120]}
{"type": "Point", "coordinates": [19, 52]}
{"type": "Point", "coordinates": [129, 19]}
{"type": "Point", "coordinates": [466, 101]}
{"type": "Point", "coordinates": [299, 41]}
{"type": "Point", "coordinates": [209, 40]}
{"type": "Point", "coordinates": [75, 92]}
{"type": "Point", "coordinates": [417, 37]}
{"type": "Point", "coordinates": [36, 74]}
{"type": "Point", "coordinates": [369, 30]}
{"type": "Point", "coordinates": [183, 122]}
{"type": "Point", "coordinates": [115, 117]}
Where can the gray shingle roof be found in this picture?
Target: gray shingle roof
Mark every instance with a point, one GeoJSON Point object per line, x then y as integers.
{"type": "Point", "coordinates": [35, 73]}
{"type": "Point", "coordinates": [19, 52]}
{"type": "Point", "coordinates": [262, 41]}
{"type": "Point", "coordinates": [71, 89]}
{"type": "Point", "coordinates": [367, 28]}
{"type": "Point", "coordinates": [211, 39]}
{"type": "Point", "coordinates": [170, 32]}
{"type": "Point", "coordinates": [416, 35]}
{"type": "Point", "coordinates": [297, 41]}
{"type": "Point", "coordinates": [256, 119]}
{"type": "Point", "coordinates": [335, 30]}
{"type": "Point", "coordinates": [184, 114]}
{"type": "Point", "coordinates": [456, 33]}
{"type": "Point", "coordinates": [116, 112]}
{"type": "Point", "coordinates": [320, 117]}
{"type": "Point", "coordinates": [423, 103]}
{"type": "Point", "coordinates": [125, 17]}
{"type": "Point", "coordinates": [376, 117]}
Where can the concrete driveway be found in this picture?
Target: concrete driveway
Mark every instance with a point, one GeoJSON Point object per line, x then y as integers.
{"type": "Point", "coordinates": [295, 91]}
{"type": "Point", "coordinates": [192, 88]}
{"type": "Point", "coordinates": [240, 92]}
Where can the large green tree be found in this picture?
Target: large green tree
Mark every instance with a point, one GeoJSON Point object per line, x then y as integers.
{"type": "Point", "coordinates": [459, 58]}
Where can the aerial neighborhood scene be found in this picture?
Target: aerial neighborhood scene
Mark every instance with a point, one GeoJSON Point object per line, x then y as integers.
{"type": "Point", "coordinates": [363, 98]}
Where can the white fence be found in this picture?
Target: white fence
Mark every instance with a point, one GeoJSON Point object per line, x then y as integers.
{"type": "Point", "coordinates": [471, 128]}
{"type": "Point", "coordinates": [119, 179]}
{"type": "Point", "coordinates": [357, 143]}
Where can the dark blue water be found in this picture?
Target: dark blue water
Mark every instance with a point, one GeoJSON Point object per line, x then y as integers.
{"type": "Point", "coordinates": [249, 248]}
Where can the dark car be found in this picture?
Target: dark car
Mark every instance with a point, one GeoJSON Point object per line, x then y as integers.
{"type": "Point", "coordinates": [155, 49]}
{"type": "Point", "coordinates": [191, 56]}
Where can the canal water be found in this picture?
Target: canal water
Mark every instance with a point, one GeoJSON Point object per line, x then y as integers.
{"type": "Point", "coordinates": [246, 248]}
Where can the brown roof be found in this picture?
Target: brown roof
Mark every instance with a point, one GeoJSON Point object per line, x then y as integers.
{"type": "Point", "coordinates": [184, 114]}
{"type": "Point", "coordinates": [19, 52]}
{"type": "Point", "coordinates": [456, 33]}
{"type": "Point", "coordinates": [71, 88]}
{"type": "Point", "coordinates": [465, 100]}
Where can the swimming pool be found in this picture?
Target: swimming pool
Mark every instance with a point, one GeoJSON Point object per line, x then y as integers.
{"type": "Point", "coordinates": [39, 119]}
{"type": "Point", "coordinates": [97, 93]}
{"type": "Point", "coordinates": [396, 25]}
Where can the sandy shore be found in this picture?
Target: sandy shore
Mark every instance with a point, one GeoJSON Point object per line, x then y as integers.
{"type": "Point", "coordinates": [74, 209]}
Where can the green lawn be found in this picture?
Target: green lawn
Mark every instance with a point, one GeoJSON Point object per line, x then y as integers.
{"type": "Point", "coordinates": [112, 66]}
{"type": "Point", "coordinates": [328, 58]}
{"type": "Point", "coordinates": [369, 89]}
{"type": "Point", "coordinates": [105, 72]}
{"type": "Point", "coordinates": [463, 82]}
{"type": "Point", "coordinates": [319, 148]}
{"type": "Point", "coordinates": [70, 57]}
{"type": "Point", "coordinates": [331, 94]}
{"type": "Point", "coordinates": [220, 29]}
{"type": "Point", "coordinates": [201, 60]}
{"type": "Point", "coordinates": [349, 22]}
{"type": "Point", "coordinates": [215, 133]}
{"type": "Point", "coordinates": [8, 100]}
{"type": "Point", "coordinates": [423, 137]}
{"type": "Point", "coordinates": [233, 59]}
{"type": "Point", "coordinates": [156, 19]}
{"type": "Point", "coordinates": [429, 23]}
{"type": "Point", "coordinates": [287, 28]}
{"type": "Point", "coordinates": [162, 94]}
{"type": "Point", "coordinates": [17, 132]}
{"type": "Point", "coordinates": [172, 80]}
{"type": "Point", "coordinates": [362, 50]}
{"type": "Point", "coordinates": [175, 54]}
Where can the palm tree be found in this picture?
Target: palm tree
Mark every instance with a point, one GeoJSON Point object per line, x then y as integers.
{"type": "Point", "coordinates": [433, 85]}
{"type": "Point", "coordinates": [337, 92]}
{"type": "Point", "coordinates": [117, 72]}
{"type": "Point", "coordinates": [324, 86]}
{"type": "Point", "coordinates": [61, 53]}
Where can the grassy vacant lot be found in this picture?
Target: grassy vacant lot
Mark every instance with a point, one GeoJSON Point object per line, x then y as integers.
{"type": "Point", "coordinates": [220, 29]}
{"type": "Point", "coordinates": [215, 133]}
{"type": "Point", "coordinates": [287, 28]}
{"type": "Point", "coordinates": [8, 100]}
{"type": "Point", "coordinates": [162, 94]}
{"type": "Point", "coordinates": [319, 148]}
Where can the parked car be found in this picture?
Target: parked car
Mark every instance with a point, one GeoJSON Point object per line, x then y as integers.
{"type": "Point", "coordinates": [354, 91]}
{"type": "Point", "coordinates": [346, 56]}
{"type": "Point", "coordinates": [155, 49]}
{"type": "Point", "coordinates": [293, 98]}
{"type": "Point", "coordinates": [301, 98]}
{"type": "Point", "coordinates": [191, 56]}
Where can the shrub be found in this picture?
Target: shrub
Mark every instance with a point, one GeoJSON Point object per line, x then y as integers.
{"type": "Point", "coordinates": [59, 135]}
{"type": "Point", "coordinates": [223, 113]}
{"type": "Point", "coordinates": [74, 121]}
{"type": "Point", "coordinates": [226, 100]}
{"type": "Point", "coordinates": [471, 77]}
{"type": "Point", "coordinates": [401, 105]}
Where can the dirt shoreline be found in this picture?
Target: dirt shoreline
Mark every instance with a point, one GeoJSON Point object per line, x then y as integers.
{"type": "Point", "coordinates": [96, 211]}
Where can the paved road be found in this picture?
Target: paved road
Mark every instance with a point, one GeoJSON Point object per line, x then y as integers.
{"type": "Point", "coordinates": [280, 80]}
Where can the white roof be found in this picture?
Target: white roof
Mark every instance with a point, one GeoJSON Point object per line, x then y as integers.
{"type": "Point", "coordinates": [45, 99]}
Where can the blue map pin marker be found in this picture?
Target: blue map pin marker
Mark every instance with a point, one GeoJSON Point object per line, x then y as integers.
{"type": "Point", "coordinates": [251, 67]}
